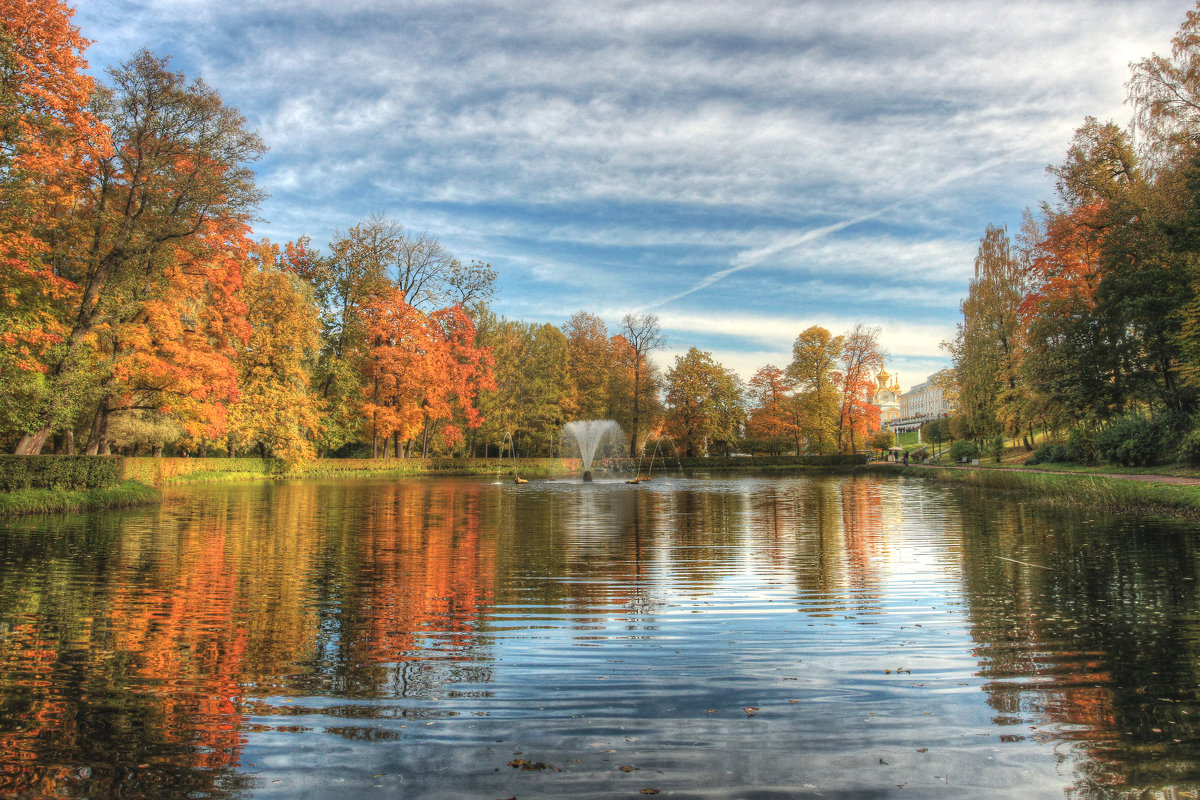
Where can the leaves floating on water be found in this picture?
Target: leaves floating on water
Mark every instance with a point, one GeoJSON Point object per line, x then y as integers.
{"type": "Point", "coordinates": [530, 766]}
{"type": "Point", "coordinates": [627, 769]}
{"type": "Point", "coordinates": [649, 791]}
{"type": "Point", "coordinates": [750, 710]}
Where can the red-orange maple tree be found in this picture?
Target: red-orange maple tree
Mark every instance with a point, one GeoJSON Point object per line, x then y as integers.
{"type": "Point", "coordinates": [47, 135]}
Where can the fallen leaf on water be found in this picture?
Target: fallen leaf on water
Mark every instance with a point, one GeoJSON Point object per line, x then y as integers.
{"type": "Point", "coordinates": [750, 710]}
{"type": "Point", "coordinates": [649, 791]}
{"type": "Point", "coordinates": [626, 769]}
{"type": "Point", "coordinates": [923, 750]}
{"type": "Point", "coordinates": [530, 766]}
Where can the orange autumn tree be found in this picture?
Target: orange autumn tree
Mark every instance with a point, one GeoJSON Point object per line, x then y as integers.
{"type": "Point", "coordinates": [862, 357]}
{"type": "Point", "coordinates": [175, 354]}
{"type": "Point", "coordinates": [466, 369]}
{"type": "Point", "coordinates": [422, 374]}
{"type": "Point", "coordinates": [160, 239]}
{"type": "Point", "coordinates": [47, 135]}
{"type": "Point", "coordinates": [400, 362]}
{"type": "Point", "coordinates": [592, 367]}
{"type": "Point", "coordinates": [772, 419]}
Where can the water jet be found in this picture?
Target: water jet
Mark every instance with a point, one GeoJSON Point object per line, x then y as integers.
{"type": "Point", "coordinates": [588, 434]}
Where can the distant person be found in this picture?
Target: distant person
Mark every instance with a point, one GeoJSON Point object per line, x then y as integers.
{"type": "Point", "coordinates": [906, 458]}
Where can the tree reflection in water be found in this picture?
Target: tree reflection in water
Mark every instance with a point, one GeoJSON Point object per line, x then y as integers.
{"type": "Point", "coordinates": [210, 647]}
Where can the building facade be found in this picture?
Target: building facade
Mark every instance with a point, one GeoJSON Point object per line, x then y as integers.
{"type": "Point", "coordinates": [921, 403]}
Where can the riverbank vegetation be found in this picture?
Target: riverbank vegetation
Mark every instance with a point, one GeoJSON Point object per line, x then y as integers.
{"type": "Point", "coordinates": [1088, 490]}
{"type": "Point", "coordinates": [1083, 327]}
{"type": "Point", "coordinates": [126, 494]}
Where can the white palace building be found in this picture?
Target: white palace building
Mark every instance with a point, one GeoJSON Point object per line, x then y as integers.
{"type": "Point", "coordinates": [909, 410]}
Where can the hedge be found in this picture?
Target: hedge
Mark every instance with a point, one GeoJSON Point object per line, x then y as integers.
{"type": "Point", "coordinates": [158, 471]}
{"type": "Point", "coordinates": [58, 472]}
{"type": "Point", "coordinates": [753, 462]}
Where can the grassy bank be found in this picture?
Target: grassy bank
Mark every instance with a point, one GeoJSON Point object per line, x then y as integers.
{"type": "Point", "coordinates": [126, 494]}
{"type": "Point", "coordinates": [1070, 489]}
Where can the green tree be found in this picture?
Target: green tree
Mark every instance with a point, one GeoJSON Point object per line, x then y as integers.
{"type": "Point", "coordinates": [883, 440]}
{"type": "Point", "coordinates": [276, 409]}
{"type": "Point", "coordinates": [814, 369]}
{"type": "Point", "coordinates": [986, 348]}
{"type": "Point", "coordinates": [704, 403]}
{"type": "Point", "coordinates": [593, 366]}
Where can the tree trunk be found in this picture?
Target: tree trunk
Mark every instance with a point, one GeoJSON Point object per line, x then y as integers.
{"type": "Point", "coordinates": [31, 443]}
{"type": "Point", "coordinates": [636, 405]}
{"type": "Point", "coordinates": [98, 439]}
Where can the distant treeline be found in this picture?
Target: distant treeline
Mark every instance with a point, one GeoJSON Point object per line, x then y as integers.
{"type": "Point", "coordinates": [137, 314]}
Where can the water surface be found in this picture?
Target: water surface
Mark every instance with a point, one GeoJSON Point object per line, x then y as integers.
{"type": "Point", "coordinates": [748, 637]}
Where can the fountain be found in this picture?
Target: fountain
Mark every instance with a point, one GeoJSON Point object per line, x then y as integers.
{"type": "Point", "coordinates": [512, 448]}
{"type": "Point", "coordinates": [588, 433]}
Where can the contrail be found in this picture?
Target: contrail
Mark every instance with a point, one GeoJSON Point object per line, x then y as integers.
{"type": "Point", "coordinates": [752, 258]}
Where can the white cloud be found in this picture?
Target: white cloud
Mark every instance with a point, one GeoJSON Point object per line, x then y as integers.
{"type": "Point", "coordinates": [674, 155]}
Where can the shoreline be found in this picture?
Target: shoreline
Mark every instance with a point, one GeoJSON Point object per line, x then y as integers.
{"type": "Point", "coordinates": [126, 494]}
{"type": "Point", "coordinates": [1111, 492]}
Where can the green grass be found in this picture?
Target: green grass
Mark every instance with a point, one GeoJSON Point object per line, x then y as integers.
{"type": "Point", "coordinates": [1073, 489]}
{"type": "Point", "coordinates": [126, 494]}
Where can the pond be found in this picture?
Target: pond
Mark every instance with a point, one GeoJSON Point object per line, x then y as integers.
{"type": "Point", "coordinates": [713, 636]}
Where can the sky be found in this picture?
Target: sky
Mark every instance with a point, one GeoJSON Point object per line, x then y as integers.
{"type": "Point", "coordinates": [743, 169]}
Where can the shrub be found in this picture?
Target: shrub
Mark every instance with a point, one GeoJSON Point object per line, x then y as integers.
{"type": "Point", "coordinates": [58, 472]}
{"type": "Point", "coordinates": [1081, 445]}
{"type": "Point", "coordinates": [963, 448]}
{"type": "Point", "coordinates": [1057, 453]}
{"type": "Point", "coordinates": [1189, 448]}
{"type": "Point", "coordinates": [1133, 440]}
